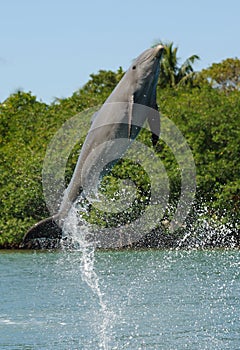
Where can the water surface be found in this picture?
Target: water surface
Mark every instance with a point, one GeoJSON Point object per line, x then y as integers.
{"type": "Point", "coordinates": [148, 299]}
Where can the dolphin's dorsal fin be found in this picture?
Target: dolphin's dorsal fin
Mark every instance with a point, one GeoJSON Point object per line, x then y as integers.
{"type": "Point", "coordinates": [154, 124]}
{"type": "Point", "coordinates": [130, 112]}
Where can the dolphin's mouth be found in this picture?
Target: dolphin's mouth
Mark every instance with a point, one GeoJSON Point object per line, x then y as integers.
{"type": "Point", "coordinates": [159, 48]}
{"type": "Point", "coordinates": [157, 53]}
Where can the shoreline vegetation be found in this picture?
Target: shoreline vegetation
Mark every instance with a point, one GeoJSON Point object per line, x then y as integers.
{"type": "Point", "coordinates": [205, 106]}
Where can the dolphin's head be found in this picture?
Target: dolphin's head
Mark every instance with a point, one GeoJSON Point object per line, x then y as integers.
{"type": "Point", "coordinates": [144, 73]}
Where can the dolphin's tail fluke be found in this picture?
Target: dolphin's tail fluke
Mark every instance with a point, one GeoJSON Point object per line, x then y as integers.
{"type": "Point", "coordinates": [46, 233]}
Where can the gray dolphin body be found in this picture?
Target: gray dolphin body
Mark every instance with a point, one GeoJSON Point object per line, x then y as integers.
{"type": "Point", "coordinates": [119, 117]}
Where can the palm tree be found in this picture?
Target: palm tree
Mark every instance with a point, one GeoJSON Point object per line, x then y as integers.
{"type": "Point", "coordinates": [173, 75]}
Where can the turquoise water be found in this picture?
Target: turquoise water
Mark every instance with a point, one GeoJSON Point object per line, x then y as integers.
{"type": "Point", "coordinates": [132, 300]}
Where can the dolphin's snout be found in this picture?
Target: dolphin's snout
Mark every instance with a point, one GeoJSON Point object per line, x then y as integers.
{"type": "Point", "coordinates": [159, 50]}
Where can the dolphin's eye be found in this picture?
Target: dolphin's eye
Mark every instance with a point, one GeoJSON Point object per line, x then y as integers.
{"type": "Point", "coordinates": [133, 67]}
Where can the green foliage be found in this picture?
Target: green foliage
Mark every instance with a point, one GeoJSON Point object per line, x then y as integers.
{"type": "Point", "coordinates": [208, 118]}
{"type": "Point", "coordinates": [93, 93]}
{"type": "Point", "coordinates": [173, 75]}
{"type": "Point", "coordinates": [224, 75]}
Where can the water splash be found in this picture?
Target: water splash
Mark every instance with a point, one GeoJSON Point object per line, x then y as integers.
{"type": "Point", "coordinates": [76, 233]}
{"type": "Point", "coordinates": [209, 231]}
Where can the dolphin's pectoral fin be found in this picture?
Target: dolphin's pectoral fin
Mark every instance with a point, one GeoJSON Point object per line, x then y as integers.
{"type": "Point", "coordinates": [130, 112]}
{"type": "Point", "coordinates": [154, 119]}
{"type": "Point", "coordinates": [154, 124]}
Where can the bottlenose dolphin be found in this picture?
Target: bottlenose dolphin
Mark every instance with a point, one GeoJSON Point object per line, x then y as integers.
{"type": "Point", "coordinates": [118, 117]}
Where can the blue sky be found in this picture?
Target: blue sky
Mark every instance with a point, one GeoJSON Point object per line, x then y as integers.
{"type": "Point", "coordinates": [50, 47]}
